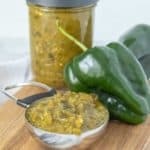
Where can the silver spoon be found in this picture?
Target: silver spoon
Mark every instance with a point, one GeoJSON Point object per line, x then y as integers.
{"type": "Point", "coordinates": [26, 102]}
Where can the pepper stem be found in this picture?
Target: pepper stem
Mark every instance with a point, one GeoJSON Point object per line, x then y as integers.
{"type": "Point", "coordinates": [70, 37]}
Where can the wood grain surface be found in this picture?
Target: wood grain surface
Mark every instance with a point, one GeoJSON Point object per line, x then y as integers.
{"type": "Point", "coordinates": [118, 136]}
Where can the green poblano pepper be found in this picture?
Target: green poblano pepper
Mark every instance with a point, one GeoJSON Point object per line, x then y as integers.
{"type": "Point", "coordinates": [116, 71]}
{"type": "Point", "coordinates": [113, 73]}
{"type": "Point", "coordinates": [137, 39]}
{"type": "Point", "coordinates": [117, 109]}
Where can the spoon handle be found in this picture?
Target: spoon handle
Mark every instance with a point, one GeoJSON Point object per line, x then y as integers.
{"type": "Point", "coordinates": [27, 101]}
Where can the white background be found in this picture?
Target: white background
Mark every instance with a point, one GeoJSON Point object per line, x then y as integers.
{"type": "Point", "coordinates": [112, 17]}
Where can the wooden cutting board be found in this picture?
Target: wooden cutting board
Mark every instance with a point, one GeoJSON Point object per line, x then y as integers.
{"type": "Point", "coordinates": [118, 136]}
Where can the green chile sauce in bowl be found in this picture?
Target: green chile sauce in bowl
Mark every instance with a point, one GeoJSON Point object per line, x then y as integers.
{"type": "Point", "coordinates": [59, 139]}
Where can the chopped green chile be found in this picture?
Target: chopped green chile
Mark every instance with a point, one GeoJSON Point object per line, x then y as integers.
{"type": "Point", "coordinates": [68, 113]}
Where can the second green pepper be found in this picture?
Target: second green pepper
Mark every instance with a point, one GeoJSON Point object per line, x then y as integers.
{"type": "Point", "coordinates": [137, 39]}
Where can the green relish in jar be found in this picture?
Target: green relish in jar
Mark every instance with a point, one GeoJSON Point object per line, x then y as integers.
{"type": "Point", "coordinates": [50, 50]}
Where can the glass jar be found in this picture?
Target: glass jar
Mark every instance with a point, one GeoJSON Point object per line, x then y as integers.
{"type": "Point", "coordinates": [50, 50]}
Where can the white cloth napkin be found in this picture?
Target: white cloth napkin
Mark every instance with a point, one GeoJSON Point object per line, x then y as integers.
{"type": "Point", "coordinates": [14, 62]}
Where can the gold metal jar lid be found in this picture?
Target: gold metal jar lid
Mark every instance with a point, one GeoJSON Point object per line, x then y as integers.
{"type": "Point", "coordinates": [62, 3]}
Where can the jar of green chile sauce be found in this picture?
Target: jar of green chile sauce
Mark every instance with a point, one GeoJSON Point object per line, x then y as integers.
{"type": "Point", "coordinates": [50, 50]}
